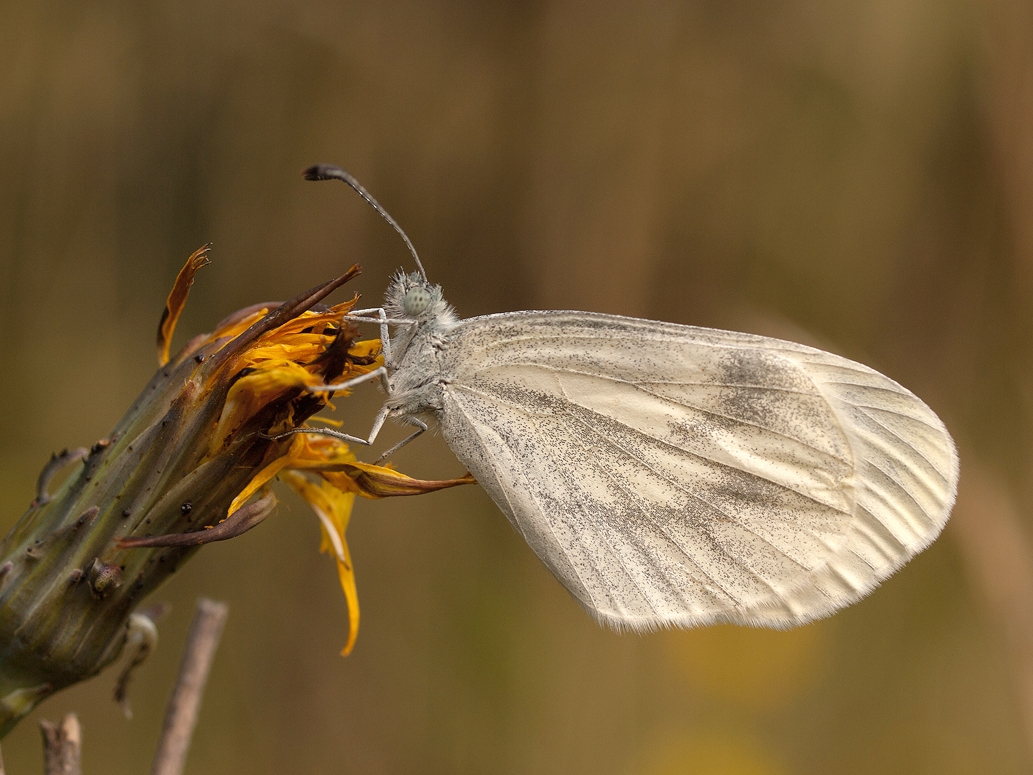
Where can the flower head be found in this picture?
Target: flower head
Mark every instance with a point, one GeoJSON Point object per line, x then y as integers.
{"type": "Point", "coordinates": [267, 379]}
{"type": "Point", "coordinates": [191, 462]}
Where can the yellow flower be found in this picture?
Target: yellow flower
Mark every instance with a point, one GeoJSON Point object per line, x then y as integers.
{"type": "Point", "coordinates": [191, 462]}
{"type": "Point", "coordinates": [273, 369]}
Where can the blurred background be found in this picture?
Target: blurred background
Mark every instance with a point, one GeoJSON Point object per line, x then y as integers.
{"type": "Point", "coordinates": [853, 175]}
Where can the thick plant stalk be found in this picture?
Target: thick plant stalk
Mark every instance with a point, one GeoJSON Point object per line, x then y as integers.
{"type": "Point", "coordinates": [67, 586]}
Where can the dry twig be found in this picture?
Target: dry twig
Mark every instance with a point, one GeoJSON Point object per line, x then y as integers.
{"type": "Point", "coordinates": [61, 746]}
{"type": "Point", "coordinates": [181, 714]}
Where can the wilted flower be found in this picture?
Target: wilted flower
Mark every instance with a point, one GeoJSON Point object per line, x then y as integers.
{"type": "Point", "coordinates": [190, 463]}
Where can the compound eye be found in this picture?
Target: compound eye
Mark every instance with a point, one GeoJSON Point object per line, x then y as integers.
{"type": "Point", "coordinates": [416, 301]}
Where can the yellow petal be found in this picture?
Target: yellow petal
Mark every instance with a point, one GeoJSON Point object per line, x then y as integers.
{"type": "Point", "coordinates": [251, 393]}
{"type": "Point", "coordinates": [380, 482]}
{"type": "Point", "coordinates": [333, 508]}
{"type": "Point", "coordinates": [334, 461]}
{"type": "Point", "coordinates": [347, 576]}
{"type": "Point", "coordinates": [177, 299]}
{"type": "Point", "coordinates": [261, 478]}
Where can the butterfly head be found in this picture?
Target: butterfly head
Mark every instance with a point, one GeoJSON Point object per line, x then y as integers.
{"type": "Point", "coordinates": [411, 297]}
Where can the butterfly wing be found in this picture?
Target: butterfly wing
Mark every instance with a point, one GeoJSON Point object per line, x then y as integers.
{"type": "Point", "coordinates": [672, 475]}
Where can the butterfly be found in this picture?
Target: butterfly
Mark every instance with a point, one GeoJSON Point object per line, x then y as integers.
{"type": "Point", "coordinates": [670, 475]}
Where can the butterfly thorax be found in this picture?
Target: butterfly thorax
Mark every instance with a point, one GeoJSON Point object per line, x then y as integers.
{"type": "Point", "coordinates": [417, 349]}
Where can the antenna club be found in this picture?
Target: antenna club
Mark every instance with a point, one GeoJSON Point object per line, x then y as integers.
{"type": "Point", "coordinates": [323, 172]}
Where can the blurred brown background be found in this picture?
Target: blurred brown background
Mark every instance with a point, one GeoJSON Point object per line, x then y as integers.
{"type": "Point", "coordinates": [856, 175]}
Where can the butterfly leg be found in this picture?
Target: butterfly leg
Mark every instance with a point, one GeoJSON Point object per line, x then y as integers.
{"type": "Point", "coordinates": [415, 421]}
{"type": "Point", "coordinates": [320, 432]}
{"type": "Point", "coordinates": [381, 372]}
{"type": "Point", "coordinates": [378, 423]}
{"type": "Point", "coordinates": [362, 315]}
{"type": "Point", "coordinates": [350, 383]}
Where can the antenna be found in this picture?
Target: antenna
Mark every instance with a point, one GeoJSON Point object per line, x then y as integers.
{"type": "Point", "coordinates": [330, 172]}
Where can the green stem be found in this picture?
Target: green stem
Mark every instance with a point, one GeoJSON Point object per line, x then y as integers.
{"type": "Point", "coordinates": [67, 587]}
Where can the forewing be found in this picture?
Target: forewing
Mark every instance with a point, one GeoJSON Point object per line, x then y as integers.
{"type": "Point", "coordinates": [671, 475]}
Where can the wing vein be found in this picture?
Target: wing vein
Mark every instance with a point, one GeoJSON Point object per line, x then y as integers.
{"type": "Point", "coordinates": [742, 421]}
{"type": "Point", "coordinates": [515, 512]}
{"type": "Point", "coordinates": [501, 400]}
{"type": "Point", "coordinates": [602, 537]}
{"type": "Point", "coordinates": [922, 420]}
{"type": "Point", "coordinates": [691, 494]}
{"type": "Point", "coordinates": [632, 499]}
{"type": "Point", "coordinates": [701, 383]}
{"type": "Point", "coordinates": [935, 468]}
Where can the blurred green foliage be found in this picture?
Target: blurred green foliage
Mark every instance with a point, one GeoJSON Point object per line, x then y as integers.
{"type": "Point", "coordinates": [856, 175]}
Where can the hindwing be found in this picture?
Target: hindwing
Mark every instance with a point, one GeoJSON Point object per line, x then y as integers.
{"type": "Point", "coordinates": [672, 475]}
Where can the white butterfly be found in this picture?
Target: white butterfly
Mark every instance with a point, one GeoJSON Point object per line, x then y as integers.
{"type": "Point", "coordinates": [667, 474]}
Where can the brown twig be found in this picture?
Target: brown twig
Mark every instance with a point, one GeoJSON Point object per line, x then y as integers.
{"type": "Point", "coordinates": [61, 749]}
{"type": "Point", "coordinates": [1, 765]}
{"type": "Point", "coordinates": [181, 714]}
